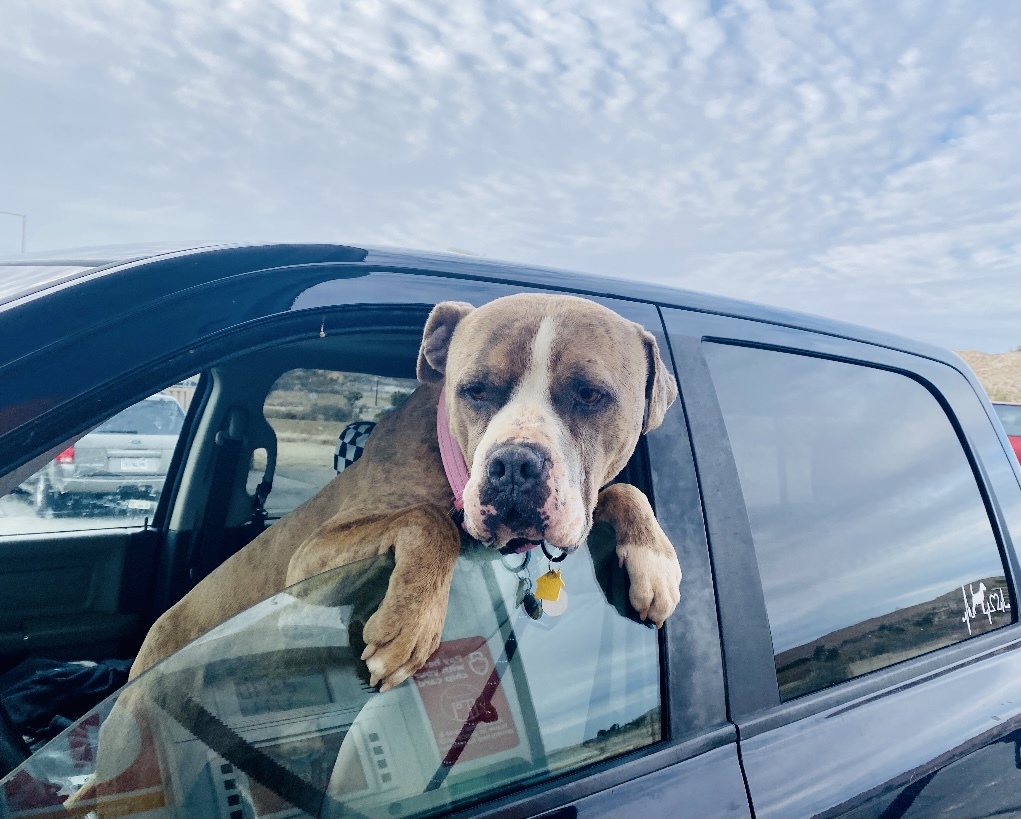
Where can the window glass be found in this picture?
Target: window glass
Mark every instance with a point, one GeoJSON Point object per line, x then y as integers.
{"type": "Point", "coordinates": [111, 477]}
{"type": "Point", "coordinates": [1010, 417]}
{"type": "Point", "coordinates": [872, 539]}
{"type": "Point", "coordinates": [272, 710]}
{"type": "Point", "coordinates": [309, 410]}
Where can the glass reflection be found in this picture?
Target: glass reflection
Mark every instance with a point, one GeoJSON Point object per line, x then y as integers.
{"type": "Point", "coordinates": [271, 715]}
{"type": "Point", "coordinates": [865, 514]}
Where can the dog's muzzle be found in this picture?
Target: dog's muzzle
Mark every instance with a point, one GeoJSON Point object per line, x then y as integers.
{"type": "Point", "coordinates": [516, 489]}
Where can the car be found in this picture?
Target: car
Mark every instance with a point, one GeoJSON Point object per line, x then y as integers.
{"type": "Point", "coordinates": [845, 507]}
{"type": "Point", "coordinates": [123, 460]}
{"type": "Point", "coordinates": [1010, 416]}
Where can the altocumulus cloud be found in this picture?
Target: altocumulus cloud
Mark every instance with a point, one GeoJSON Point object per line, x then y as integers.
{"type": "Point", "coordinates": [854, 159]}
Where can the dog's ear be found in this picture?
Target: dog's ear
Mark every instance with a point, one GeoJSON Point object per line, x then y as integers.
{"type": "Point", "coordinates": [439, 329]}
{"type": "Point", "coordinates": [660, 386]}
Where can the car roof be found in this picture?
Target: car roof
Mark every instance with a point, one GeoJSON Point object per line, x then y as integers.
{"type": "Point", "coordinates": [29, 273]}
{"type": "Point", "coordinates": [29, 277]}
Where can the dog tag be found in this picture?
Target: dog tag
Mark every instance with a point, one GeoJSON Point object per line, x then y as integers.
{"type": "Point", "coordinates": [548, 586]}
{"type": "Point", "coordinates": [554, 608]}
{"type": "Point", "coordinates": [524, 587]}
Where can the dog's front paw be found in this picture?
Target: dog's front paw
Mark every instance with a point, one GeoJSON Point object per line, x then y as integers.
{"type": "Point", "coordinates": [398, 644]}
{"type": "Point", "coordinates": [655, 580]}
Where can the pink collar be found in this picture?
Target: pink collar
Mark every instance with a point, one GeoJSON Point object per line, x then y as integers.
{"type": "Point", "coordinates": [453, 461]}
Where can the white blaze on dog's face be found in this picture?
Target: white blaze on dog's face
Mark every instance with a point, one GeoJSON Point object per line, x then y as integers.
{"type": "Point", "coordinates": [546, 397]}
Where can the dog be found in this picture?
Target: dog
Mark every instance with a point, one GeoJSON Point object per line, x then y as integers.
{"type": "Point", "coordinates": [527, 409]}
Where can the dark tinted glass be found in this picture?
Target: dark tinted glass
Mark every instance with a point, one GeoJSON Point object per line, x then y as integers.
{"type": "Point", "coordinates": [147, 418]}
{"type": "Point", "coordinates": [871, 536]}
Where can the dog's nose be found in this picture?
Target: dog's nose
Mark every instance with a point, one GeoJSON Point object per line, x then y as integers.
{"type": "Point", "coordinates": [514, 467]}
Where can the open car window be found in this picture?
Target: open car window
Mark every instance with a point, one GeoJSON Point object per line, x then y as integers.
{"type": "Point", "coordinates": [319, 418]}
{"type": "Point", "coordinates": [110, 477]}
{"type": "Point", "coordinates": [270, 714]}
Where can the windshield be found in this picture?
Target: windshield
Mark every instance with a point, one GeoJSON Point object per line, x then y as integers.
{"type": "Point", "coordinates": [271, 715]}
{"type": "Point", "coordinates": [146, 418]}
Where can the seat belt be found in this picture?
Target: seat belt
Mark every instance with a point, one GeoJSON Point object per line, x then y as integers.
{"type": "Point", "coordinates": [206, 551]}
{"type": "Point", "coordinates": [259, 513]}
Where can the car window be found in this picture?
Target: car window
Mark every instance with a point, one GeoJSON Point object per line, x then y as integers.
{"type": "Point", "coordinates": [271, 711]}
{"type": "Point", "coordinates": [111, 477]}
{"type": "Point", "coordinates": [1010, 417]}
{"type": "Point", "coordinates": [872, 539]}
{"type": "Point", "coordinates": [309, 410]}
{"type": "Point", "coordinates": [152, 417]}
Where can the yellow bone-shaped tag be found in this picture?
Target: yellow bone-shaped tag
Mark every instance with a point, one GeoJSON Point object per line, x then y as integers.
{"type": "Point", "coordinates": [549, 585]}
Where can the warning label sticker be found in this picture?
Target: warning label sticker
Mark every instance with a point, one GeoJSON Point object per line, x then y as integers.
{"type": "Point", "coordinates": [450, 685]}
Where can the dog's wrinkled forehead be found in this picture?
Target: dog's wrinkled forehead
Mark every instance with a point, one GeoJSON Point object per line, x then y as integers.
{"type": "Point", "coordinates": [498, 340]}
{"type": "Point", "coordinates": [551, 340]}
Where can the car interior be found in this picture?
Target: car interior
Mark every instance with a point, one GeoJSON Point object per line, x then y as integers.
{"type": "Point", "coordinates": [115, 580]}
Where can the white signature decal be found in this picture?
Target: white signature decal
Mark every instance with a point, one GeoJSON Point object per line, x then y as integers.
{"type": "Point", "coordinates": [983, 602]}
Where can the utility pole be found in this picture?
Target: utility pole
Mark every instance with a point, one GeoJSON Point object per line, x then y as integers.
{"type": "Point", "coordinates": [24, 221]}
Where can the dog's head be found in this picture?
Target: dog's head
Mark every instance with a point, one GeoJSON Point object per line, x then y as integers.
{"type": "Point", "coordinates": [547, 397]}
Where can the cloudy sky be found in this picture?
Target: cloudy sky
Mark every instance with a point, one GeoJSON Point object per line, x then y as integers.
{"type": "Point", "coordinates": [855, 159]}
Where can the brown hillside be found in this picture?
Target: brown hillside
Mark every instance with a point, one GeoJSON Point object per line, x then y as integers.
{"type": "Point", "coordinates": [1000, 373]}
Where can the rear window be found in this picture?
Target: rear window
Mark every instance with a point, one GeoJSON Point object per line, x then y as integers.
{"type": "Point", "coordinates": [146, 418]}
{"type": "Point", "coordinates": [872, 538]}
{"type": "Point", "coordinates": [1010, 417]}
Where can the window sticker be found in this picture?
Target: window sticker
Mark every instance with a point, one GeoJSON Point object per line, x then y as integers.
{"type": "Point", "coordinates": [450, 685]}
{"type": "Point", "coordinates": [984, 603]}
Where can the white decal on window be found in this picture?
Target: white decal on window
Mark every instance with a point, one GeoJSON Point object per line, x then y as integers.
{"type": "Point", "coordinates": [983, 602]}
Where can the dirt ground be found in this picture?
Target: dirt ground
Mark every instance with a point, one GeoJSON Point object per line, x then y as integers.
{"type": "Point", "coordinates": [999, 373]}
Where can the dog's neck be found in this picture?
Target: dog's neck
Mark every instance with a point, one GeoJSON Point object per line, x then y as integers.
{"type": "Point", "coordinates": [454, 464]}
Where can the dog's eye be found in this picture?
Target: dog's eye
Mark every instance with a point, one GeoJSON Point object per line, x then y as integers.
{"type": "Point", "coordinates": [588, 396]}
{"type": "Point", "coordinates": [476, 392]}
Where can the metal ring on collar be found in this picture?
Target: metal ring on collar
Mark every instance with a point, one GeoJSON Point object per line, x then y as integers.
{"type": "Point", "coordinates": [514, 569]}
{"type": "Point", "coordinates": [550, 557]}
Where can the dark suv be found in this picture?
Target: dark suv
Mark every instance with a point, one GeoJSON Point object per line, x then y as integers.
{"type": "Point", "coordinates": [845, 509]}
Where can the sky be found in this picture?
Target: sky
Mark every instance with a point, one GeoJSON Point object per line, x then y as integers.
{"type": "Point", "coordinates": [858, 160]}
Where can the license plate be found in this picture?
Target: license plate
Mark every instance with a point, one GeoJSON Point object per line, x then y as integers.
{"type": "Point", "coordinates": [141, 504]}
{"type": "Point", "coordinates": [134, 464]}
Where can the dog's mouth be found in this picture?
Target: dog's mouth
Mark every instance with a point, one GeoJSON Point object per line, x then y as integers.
{"type": "Point", "coordinates": [512, 524]}
{"type": "Point", "coordinates": [519, 545]}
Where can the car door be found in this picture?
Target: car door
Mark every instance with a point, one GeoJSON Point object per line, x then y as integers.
{"type": "Point", "coordinates": [693, 770]}
{"type": "Point", "coordinates": [74, 529]}
{"type": "Point", "coordinates": [689, 763]}
{"type": "Point", "coordinates": [863, 538]}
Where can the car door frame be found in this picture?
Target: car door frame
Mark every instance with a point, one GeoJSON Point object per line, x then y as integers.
{"type": "Point", "coordinates": [114, 614]}
{"type": "Point", "coordinates": [753, 695]}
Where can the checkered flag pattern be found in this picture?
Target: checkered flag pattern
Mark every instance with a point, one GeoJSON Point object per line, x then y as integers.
{"type": "Point", "coordinates": [351, 444]}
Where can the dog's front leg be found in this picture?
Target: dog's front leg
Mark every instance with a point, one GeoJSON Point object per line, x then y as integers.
{"type": "Point", "coordinates": [405, 629]}
{"type": "Point", "coordinates": [643, 549]}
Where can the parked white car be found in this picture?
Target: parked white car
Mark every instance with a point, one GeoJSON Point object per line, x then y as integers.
{"type": "Point", "coordinates": [124, 461]}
